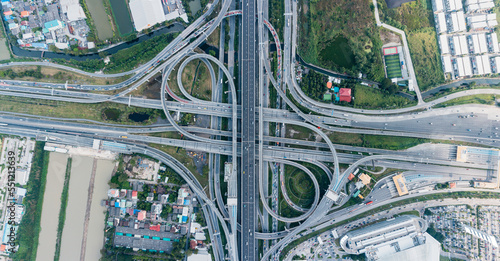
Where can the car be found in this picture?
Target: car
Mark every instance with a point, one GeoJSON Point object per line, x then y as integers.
{"type": "Point", "coordinates": [468, 129]}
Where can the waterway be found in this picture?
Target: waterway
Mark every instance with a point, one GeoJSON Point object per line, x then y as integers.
{"type": "Point", "coordinates": [176, 27]}
{"type": "Point", "coordinates": [51, 206]}
{"type": "Point", "coordinates": [71, 243]}
{"type": "Point", "coordinates": [122, 16]}
{"type": "Point", "coordinates": [95, 237]}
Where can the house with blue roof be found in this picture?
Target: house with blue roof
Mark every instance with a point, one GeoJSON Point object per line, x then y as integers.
{"type": "Point", "coordinates": [54, 25]}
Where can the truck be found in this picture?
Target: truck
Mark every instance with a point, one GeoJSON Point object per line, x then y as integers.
{"type": "Point", "coordinates": [288, 22]}
{"type": "Point", "coordinates": [125, 137]}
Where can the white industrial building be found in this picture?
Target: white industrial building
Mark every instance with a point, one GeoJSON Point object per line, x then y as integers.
{"type": "Point", "coordinates": [460, 45]}
{"type": "Point", "coordinates": [402, 238]}
{"type": "Point", "coordinates": [494, 42]}
{"type": "Point", "coordinates": [479, 43]}
{"type": "Point", "coordinates": [482, 21]}
{"type": "Point", "coordinates": [454, 5]}
{"type": "Point", "coordinates": [447, 67]}
{"type": "Point", "coordinates": [443, 43]}
{"type": "Point", "coordinates": [146, 13]}
{"type": "Point", "coordinates": [496, 62]}
{"type": "Point", "coordinates": [437, 6]}
{"type": "Point", "coordinates": [72, 9]}
{"type": "Point", "coordinates": [463, 68]}
{"type": "Point", "coordinates": [478, 5]}
{"type": "Point", "coordinates": [457, 22]}
{"type": "Point", "coordinates": [466, 41]}
{"type": "Point", "coordinates": [440, 22]}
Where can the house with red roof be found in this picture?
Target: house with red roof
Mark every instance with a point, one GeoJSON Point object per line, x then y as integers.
{"type": "Point", "coordinates": [345, 94]}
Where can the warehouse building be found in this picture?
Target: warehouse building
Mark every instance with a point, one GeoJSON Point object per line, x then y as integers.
{"type": "Point", "coordinates": [401, 238]}
{"type": "Point", "coordinates": [453, 5]}
{"type": "Point", "coordinates": [440, 23]}
{"type": "Point", "coordinates": [493, 42]}
{"type": "Point", "coordinates": [443, 44]}
{"type": "Point", "coordinates": [482, 22]}
{"type": "Point", "coordinates": [457, 20]}
{"type": "Point", "coordinates": [146, 13]}
{"type": "Point", "coordinates": [482, 64]}
{"type": "Point", "coordinates": [447, 67]}
{"type": "Point", "coordinates": [479, 43]}
{"type": "Point", "coordinates": [73, 10]}
{"type": "Point", "coordinates": [463, 67]}
{"type": "Point", "coordinates": [437, 6]}
{"type": "Point", "coordinates": [459, 46]}
{"type": "Point", "coordinates": [495, 63]}
{"type": "Point", "coordinates": [473, 6]}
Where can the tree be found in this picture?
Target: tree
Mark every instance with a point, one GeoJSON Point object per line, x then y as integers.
{"type": "Point", "coordinates": [167, 209]}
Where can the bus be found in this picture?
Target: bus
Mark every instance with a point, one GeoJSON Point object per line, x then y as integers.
{"type": "Point", "coordinates": [370, 202]}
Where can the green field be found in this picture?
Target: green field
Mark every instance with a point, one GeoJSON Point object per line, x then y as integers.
{"type": "Point", "coordinates": [417, 20]}
{"type": "Point", "coordinates": [340, 36]}
{"type": "Point", "coordinates": [339, 52]}
{"type": "Point", "coordinates": [393, 66]}
{"type": "Point", "coordinates": [369, 98]}
{"type": "Point", "coordinates": [299, 186]}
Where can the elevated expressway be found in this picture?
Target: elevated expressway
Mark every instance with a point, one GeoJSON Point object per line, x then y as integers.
{"type": "Point", "coordinates": [334, 119]}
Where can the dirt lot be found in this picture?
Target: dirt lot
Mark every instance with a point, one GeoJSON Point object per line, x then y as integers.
{"type": "Point", "coordinates": [389, 37]}
{"type": "Point", "coordinates": [151, 89]}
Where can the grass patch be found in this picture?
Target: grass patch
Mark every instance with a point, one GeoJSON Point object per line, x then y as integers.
{"type": "Point", "coordinates": [417, 20]}
{"type": "Point", "coordinates": [62, 211]}
{"type": "Point", "coordinates": [376, 141]}
{"type": "Point", "coordinates": [338, 35]}
{"type": "Point", "coordinates": [412, 212]}
{"type": "Point", "coordinates": [75, 110]}
{"type": "Point", "coordinates": [299, 187]}
{"type": "Point", "coordinates": [488, 99]}
{"type": "Point", "coordinates": [196, 80]}
{"type": "Point", "coordinates": [369, 98]}
{"type": "Point", "coordinates": [29, 228]}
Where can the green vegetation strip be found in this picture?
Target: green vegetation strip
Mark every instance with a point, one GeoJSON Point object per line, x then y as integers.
{"type": "Point", "coordinates": [62, 210]}
{"type": "Point", "coordinates": [29, 229]}
{"type": "Point", "coordinates": [488, 99]}
{"type": "Point", "coordinates": [455, 195]}
{"type": "Point", "coordinates": [76, 110]}
{"type": "Point", "coordinates": [125, 59]}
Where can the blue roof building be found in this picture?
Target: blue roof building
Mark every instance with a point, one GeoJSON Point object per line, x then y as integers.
{"type": "Point", "coordinates": [54, 25]}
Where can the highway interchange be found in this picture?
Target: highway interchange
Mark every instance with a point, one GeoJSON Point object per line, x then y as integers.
{"type": "Point", "coordinates": [247, 141]}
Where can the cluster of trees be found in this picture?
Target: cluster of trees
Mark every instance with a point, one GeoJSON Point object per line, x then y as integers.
{"type": "Point", "coordinates": [432, 231]}
{"type": "Point", "coordinates": [314, 85]}
{"type": "Point", "coordinates": [388, 87]}
{"type": "Point", "coordinates": [167, 209]}
{"type": "Point", "coordinates": [9, 73]}
{"type": "Point", "coordinates": [173, 177]}
{"type": "Point", "coordinates": [28, 233]}
{"type": "Point", "coordinates": [443, 185]}
{"type": "Point", "coordinates": [119, 180]}
{"type": "Point", "coordinates": [325, 21]}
